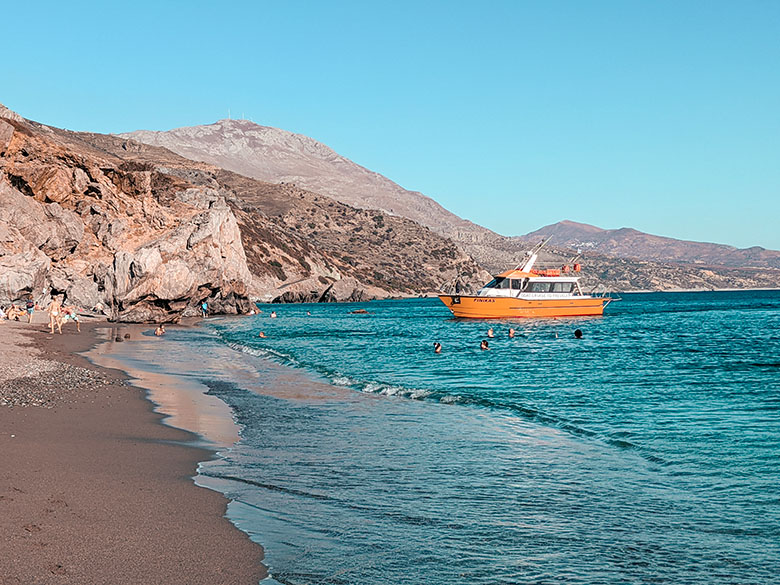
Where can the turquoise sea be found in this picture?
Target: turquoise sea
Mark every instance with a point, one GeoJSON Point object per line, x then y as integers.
{"type": "Point", "coordinates": [646, 452]}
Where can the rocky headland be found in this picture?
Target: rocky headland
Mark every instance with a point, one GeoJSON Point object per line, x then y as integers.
{"type": "Point", "coordinates": [142, 234]}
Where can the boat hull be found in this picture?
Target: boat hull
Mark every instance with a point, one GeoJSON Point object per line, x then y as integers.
{"type": "Point", "coordinates": [474, 307]}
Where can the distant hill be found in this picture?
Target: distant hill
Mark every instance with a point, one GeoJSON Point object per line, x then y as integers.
{"type": "Point", "coordinates": [278, 156]}
{"type": "Point", "coordinates": [631, 243]}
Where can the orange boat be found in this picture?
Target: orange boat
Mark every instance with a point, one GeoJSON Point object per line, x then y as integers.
{"type": "Point", "coordinates": [525, 292]}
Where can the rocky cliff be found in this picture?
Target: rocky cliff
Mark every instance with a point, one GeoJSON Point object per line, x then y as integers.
{"type": "Point", "coordinates": [146, 235]}
{"type": "Point", "coordinates": [124, 239]}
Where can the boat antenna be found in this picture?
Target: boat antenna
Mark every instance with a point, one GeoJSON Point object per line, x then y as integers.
{"type": "Point", "coordinates": [533, 252]}
{"type": "Point", "coordinates": [543, 243]}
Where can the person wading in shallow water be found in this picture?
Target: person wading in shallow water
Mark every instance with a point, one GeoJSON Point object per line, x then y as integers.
{"type": "Point", "coordinates": [160, 330]}
{"type": "Point", "coordinates": [55, 315]}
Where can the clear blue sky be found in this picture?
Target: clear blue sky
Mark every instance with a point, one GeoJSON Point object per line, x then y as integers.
{"type": "Point", "coordinates": [662, 116]}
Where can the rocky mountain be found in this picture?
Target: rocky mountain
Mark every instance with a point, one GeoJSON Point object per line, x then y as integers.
{"type": "Point", "coordinates": [630, 243]}
{"type": "Point", "coordinates": [146, 235]}
{"type": "Point", "coordinates": [278, 156]}
{"type": "Point", "coordinates": [288, 159]}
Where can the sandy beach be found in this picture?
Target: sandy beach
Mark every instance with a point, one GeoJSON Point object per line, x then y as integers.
{"type": "Point", "coordinates": [93, 488]}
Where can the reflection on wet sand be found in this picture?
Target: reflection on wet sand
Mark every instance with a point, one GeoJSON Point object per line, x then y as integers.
{"type": "Point", "coordinates": [182, 400]}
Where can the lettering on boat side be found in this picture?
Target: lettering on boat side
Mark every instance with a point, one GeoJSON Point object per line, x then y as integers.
{"type": "Point", "coordinates": [484, 300]}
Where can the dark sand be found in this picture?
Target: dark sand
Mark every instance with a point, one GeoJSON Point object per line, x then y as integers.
{"type": "Point", "coordinates": [95, 489]}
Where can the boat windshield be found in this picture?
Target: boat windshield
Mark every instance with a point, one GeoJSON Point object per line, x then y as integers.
{"type": "Point", "coordinates": [498, 282]}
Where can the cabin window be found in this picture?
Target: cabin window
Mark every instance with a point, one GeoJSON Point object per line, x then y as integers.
{"type": "Point", "coordinates": [517, 284]}
{"type": "Point", "coordinates": [562, 287]}
{"type": "Point", "coordinates": [505, 282]}
{"type": "Point", "coordinates": [538, 287]}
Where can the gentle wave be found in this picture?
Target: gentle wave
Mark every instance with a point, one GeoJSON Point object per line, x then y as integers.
{"type": "Point", "coordinates": [388, 389]}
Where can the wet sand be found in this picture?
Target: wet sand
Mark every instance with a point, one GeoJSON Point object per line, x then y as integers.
{"type": "Point", "coordinates": [93, 488]}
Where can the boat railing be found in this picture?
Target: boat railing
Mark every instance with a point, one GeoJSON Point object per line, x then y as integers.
{"type": "Point", "coordinates": [601, 291]}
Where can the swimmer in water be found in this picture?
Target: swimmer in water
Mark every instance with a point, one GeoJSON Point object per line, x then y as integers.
{"type": "Point", "coordinates": [511, 332]}
{"type": "Point", "coordinates": [261, 334]}
{"type": "Point", "coordinates": [160, 330]}
{"type": "Point", "coordinates": [484, 344]}
{"type": "Point", "coordinates": [436, 347]}
{"type": "Point", "coordinates": [578, 334]}
{"type": "Point", "coordinates": [490, 332]}
{"type": "Point", "coordinates": [273, 314]}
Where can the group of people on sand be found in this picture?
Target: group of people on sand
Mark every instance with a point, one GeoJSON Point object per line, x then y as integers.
{"type": "Point", "coordinates": [14, 313]}
{"type": "Point", "coordinates": [59, 313]}
{"type": "Point", "coordinates": [485, 344]}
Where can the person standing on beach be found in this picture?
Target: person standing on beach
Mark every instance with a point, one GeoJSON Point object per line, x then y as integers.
{"type": "Point", "coordinates": [55, 315]}
{"type": "Point", "coordinates": [30, 309]}
{"type": "Point", "coordinates": [204, 309]}
{"type": "Point", "coordinates": [72, 313]}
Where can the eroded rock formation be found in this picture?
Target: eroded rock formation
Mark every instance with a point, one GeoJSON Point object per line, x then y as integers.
{"type": "Point", "coordinates": [120, 238]}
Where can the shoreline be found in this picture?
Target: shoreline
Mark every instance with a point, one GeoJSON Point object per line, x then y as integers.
{"type": "Point", "coordinates": [97, 487]}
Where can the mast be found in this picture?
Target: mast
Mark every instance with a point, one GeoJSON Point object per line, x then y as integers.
{"type": "Point", "coordinates": [532, 255]}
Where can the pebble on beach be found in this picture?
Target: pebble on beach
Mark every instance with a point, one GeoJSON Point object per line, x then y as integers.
{"type": "Point", "coordinates": [29, 380]}
{"type": "Point", "coordinates": [35, 388]}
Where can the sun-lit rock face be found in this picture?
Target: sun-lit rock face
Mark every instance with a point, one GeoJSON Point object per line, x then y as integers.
{"type": "Point", "coordinates": [122, 238]}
